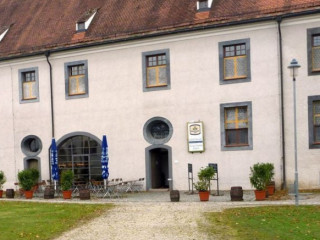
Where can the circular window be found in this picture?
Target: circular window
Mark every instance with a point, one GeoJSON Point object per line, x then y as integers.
{"type": "Point", "coordinates": [31, 145]}
{"type": "Point", "coordinates": [157, 130]}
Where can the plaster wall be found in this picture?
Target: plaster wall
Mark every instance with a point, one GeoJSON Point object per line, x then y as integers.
{"type": "Point", "coordinates": [7, 162]}
{"type": "Point", "coordinates": [295, 46]}
{"type": "Point", "coordinates": [118, 107]}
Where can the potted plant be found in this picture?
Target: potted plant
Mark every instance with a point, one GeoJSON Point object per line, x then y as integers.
{"type": "Point", "coordinates": [35, 177]}
{"type": "Point", "coordinates": [202, 186]}
{"type": "Point", "coordinates": [270, 175]}
{"type": "Point", "coordinates": [66, 183]}
{"type": "Point", "coordinates": [259, 180]}
{"type": "Point", "coordinates": [27, 181]}
{"type": "Point", "coordinates": [2, 181]}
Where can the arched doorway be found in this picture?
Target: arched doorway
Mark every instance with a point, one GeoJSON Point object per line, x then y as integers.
{"type": "Point", "coordinates": [81, 153]}
{"type": "Point", "coordinates": [158, 167]}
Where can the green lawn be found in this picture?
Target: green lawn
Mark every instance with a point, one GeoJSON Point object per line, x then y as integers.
{"type": "Point", "coordinates": [263, 223]}
{"type": "Point", "coordinates": [26, 220]}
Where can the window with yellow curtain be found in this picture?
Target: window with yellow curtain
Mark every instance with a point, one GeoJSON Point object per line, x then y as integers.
{"type": "Point", "coordinates": [77, 80]}
{"type": "Point", "coordinates": [29, 90]}
{"type": "Point", "coordinates": [156, 70]}
{"type": "Point", "coordinates": [236, 126]}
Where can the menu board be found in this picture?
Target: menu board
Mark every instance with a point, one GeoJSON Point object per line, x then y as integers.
{"type": "Point", "coordinates": [195, 137]}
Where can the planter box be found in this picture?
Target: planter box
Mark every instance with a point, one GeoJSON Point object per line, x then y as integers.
{"type": "Point", "coordinates": [174, 196]}
{"type": "Point", "coordinates": [9, 193]}
{"type": "Point", "coordinates": [84, 194]}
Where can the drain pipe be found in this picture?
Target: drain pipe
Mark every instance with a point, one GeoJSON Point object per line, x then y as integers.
{"type": "Point", "coordinates": [284, 183]}
{"type": "Point", "coordinates": [47, 54]}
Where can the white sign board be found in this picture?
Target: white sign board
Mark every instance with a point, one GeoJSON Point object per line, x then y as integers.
{"type": "Point", "coordinates": [195, 137]}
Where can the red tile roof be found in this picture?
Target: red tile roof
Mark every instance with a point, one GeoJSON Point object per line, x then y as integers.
{"type": "Point", "coordinates": [40, 25]}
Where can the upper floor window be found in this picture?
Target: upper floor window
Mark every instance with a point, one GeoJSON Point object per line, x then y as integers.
{"type": "Point", "coordinates": [76, 79]}
{"type": "Point", "coordinates": [234, 60]}
{"type": "Point", "coordinates": [314, 121]}
{"type": "Point", "coordinates": [313, 46]}
{"type": "Point", "coordinates": [156, 70]}
{"type": "Point", "coordinates": [28, 85]}
{"type": "Point", "coordinates": [316, 53]}
{"type": "Point", "coordinates": [236, 124]}
{"type": "Point", "coordinates": [204, 5]}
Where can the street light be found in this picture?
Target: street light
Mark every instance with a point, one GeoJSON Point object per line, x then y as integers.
{"type": "Point", "coordinates": [294, 66]}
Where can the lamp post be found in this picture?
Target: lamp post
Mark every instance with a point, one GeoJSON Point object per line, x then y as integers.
{"type": "Point", "coordinates": [294, 72]}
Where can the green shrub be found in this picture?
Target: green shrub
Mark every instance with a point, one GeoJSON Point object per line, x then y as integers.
{"type": "Point", "coordinates": [204, 175]}
{"type": "Point", "coordinates": [26, 179]}
{"type": "Point", "coordinates": [66, 180]}
{"type": "Point", "coordinates": [35, 176]}
{"type": "Point", "coordinates": [2, 179]}
{"type": "Point", "coordinates": [270, 172]}
{"type": "Point", "coordinates": [260, 175]}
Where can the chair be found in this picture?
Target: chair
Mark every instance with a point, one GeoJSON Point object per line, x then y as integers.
{"type": "Point", "coordinates": [138, 185]}
{"type": "Point", "coordinates": [40, 188]}
{"type": "Point", "coordinates": [96, 187]}
{"type": "Point", "coordinates": [19, 190]}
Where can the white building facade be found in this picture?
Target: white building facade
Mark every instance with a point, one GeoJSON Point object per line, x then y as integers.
{"type": "Point", "coordinates": [142, 93]}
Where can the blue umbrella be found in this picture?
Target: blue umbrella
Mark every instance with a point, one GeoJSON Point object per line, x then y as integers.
{"type": "Point", "coordinates": [104, 159]}
{"type": "Point", "coordinates": [54, 161]}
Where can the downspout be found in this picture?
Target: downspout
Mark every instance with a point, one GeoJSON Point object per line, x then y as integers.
{"type": "Point", "coordinates": [47, 54]}
{"type": "Point", "coordinates": [284, 183]}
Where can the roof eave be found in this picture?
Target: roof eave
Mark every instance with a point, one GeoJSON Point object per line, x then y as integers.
{"type": "Point", "coordinates": [184, 29]}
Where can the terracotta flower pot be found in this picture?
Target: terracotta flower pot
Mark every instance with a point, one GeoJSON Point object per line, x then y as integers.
{"type": "Point", "coordinates": [270, 189]}
{"type": "Point", "coordinates": [28, 194]}
{"type": "Point", "coordinates": [260, 195]}
{"type": "Point", "coordinates": [67, 194]}
{"type": "Point", "coordinates": [204, 196]}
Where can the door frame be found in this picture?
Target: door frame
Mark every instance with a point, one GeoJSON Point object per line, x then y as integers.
{"type": "Point", "coordinates": [148, 164]}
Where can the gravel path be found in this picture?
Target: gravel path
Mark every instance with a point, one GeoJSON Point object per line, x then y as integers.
{"type": "Point", "coordinates": [148, 216]}
{"type": "Point", "coordinates": [145, 221]}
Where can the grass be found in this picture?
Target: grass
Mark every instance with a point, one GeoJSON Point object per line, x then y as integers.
{"type": "Point", "coordinates": [264, 223]}
{"type": "Point", "coordinates": [25, 220]}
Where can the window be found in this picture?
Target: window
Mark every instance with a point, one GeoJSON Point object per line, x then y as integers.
{"type": "Point", "coordinates": [76, 79]}
{"type": "Point", "coordinates": [234, 60]}
{"type": "Point", "coordinates": [82, 155]}
{"type": "Point", "coordinates": [315, 53]}
{"type": "Point", "coordinates": [156, 70]}
{"type": "Point", "coordinates": [31, 145]}
{"type": "Point", "coordinates": [313, 45]}
{"type": "Point", "coordinates": [314, 121]}
{"type": "Point", "coordinates": [81, 26]}
{"type": "Point", "coordinates": [204, 5]}
{"type": "Point", "coordinates": [236, 126]}
{"type": "Point", "coordinates": [28, 85]}
{"type": "Point", "coordinates": [157, 130]}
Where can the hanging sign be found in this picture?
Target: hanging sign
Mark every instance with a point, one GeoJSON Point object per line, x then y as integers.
{"type": "Point", "coordinates": [195, 137]}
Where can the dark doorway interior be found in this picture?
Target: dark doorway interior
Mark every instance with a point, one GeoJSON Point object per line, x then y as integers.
{"type": "Point", "coordinates": [159, 168]}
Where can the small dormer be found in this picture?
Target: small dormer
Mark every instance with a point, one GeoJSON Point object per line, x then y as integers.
{"type": "Point", "coordinates": [3, 32]}
{"type": "Point", "coordinates": [204, 5]}
{"type": "Point", "coordinates": [84, 22]}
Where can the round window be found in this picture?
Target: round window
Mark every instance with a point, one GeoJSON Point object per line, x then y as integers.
{"type": "Point", "coordinates": [31, 145]}
{"type": "Point", "coordinates": [157, 130]}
